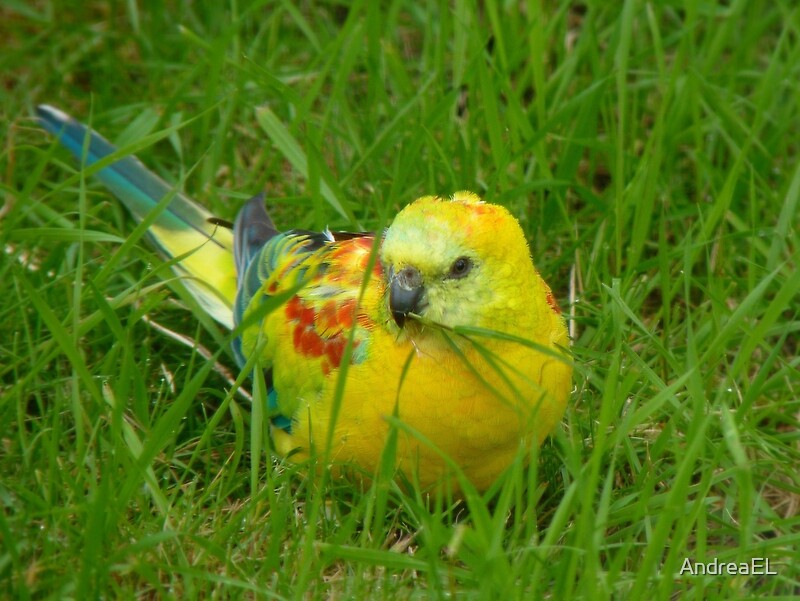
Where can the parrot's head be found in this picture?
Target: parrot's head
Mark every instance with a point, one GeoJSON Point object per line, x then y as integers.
{"type": "Point", "coordinates": [457, 262]}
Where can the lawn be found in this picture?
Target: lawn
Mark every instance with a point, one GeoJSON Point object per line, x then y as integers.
{"type": "Point", "coordinates": [650, 152]}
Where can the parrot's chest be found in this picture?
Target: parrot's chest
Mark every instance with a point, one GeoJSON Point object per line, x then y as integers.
{"type": "Point", "coordinates": [439, 413]}
{"type": "Point", "coordinates": [438, 402]}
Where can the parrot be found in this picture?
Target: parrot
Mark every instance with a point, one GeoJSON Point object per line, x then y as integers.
{"type": "Point", "coordinates": [437, 333]}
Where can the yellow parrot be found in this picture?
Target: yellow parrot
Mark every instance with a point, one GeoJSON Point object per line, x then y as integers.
{"type": "Point", "coordinates": [441, 326]}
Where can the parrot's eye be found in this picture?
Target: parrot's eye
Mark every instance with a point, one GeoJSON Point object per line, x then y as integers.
{"type": "Point", "coordinates": [460, 267]}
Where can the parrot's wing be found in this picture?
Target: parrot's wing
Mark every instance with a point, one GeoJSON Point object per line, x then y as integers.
{"type": "Point", "coordinates": [307, 334]}
{"type": "Point", "coordinates": [183, 229]}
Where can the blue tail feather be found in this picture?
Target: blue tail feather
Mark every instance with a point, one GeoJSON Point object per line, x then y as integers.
{"type": "Point", "coordinates": [128, 178]}
{"type": "Point", "coordinates": [183, 229]}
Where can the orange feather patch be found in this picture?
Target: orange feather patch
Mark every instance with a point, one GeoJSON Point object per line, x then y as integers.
{"type": "Point", "coordinates": [321, 327]}
{"type": "Point", "coordinates": [552, 302]}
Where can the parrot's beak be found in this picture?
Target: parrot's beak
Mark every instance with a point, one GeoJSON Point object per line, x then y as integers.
{"type": "Point", "coordinates": [405, 292]}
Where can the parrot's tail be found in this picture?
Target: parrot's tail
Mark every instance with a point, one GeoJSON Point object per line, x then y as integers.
{"type": "Point", "coordinates": [182, 230]}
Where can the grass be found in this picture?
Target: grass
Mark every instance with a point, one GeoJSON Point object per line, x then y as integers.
{"type": "Point", "coordinates": [650, 152]}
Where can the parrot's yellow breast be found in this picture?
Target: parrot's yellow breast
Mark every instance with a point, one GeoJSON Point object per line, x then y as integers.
{"type": "Point", "coordinates": [475, 412]}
